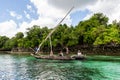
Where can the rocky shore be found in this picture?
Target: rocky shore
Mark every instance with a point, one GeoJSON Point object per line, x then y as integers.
{"type": "Point", "coordinates": [89, 50]}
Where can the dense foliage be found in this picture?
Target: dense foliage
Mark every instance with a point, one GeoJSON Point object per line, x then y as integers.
{"type": "Point", "coordinates": [94, 31]}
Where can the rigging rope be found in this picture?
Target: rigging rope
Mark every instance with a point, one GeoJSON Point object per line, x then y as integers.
{"type": "Point", "coordinates": [53, 30]}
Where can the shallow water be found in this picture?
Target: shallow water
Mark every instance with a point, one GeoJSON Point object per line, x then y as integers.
{"type": "Point", "coordinates": [21, 67]}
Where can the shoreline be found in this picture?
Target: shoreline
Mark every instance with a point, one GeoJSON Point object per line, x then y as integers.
{"type": "Point", "coordinates": [83, 52]}
{"type": "Point", "coordinates": [86, 50]}
{"type": "Point", "coordinates": [10, 52]}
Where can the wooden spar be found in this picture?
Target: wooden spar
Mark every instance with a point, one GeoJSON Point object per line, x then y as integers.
{"type": "Point", "coordinates": [51, 51]}
{"type": "Point", "coordinates": [53, 30]}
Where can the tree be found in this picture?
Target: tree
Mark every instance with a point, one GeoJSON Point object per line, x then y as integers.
{"type": "Point", "coordinates": [19, 35]}
{"type": "Point", "coordinates": [64, 36]}
{"type": "Point", "coordinates": [3, 40]}
{"type": "Point", "coordinates": [35, 35]}
{"type": "Point", "coordinates": [109, 36]}
{"type": "Point", "coordinates": [11, 43]}
{"type": "Point", "coordinates": [86, 28]}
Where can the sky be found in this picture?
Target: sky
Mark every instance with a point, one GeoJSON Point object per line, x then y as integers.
{"type": "Point", "coordinates": [18, 15]}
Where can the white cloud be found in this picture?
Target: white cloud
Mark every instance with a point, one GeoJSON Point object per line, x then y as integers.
{"type": "Point", "coordinates": [8, 28]}
{"type": "Point", "coordinates": [108, 7]}
{"type": "Point", "coordinates": [48, 14]}
{"type": "Point", "coordinates": [27, 15]}
{"type": "Point", "coordinates": [14, 14]}
{"type": "Point", "coordinates": [23, 27]}
{"type": "Point", "coordinates": [29, 7]}
{"type": "Point", "coordinates": [66, 4]}
{"type": "Point", "coordinates": [55, 10]}
{"type": "Point", "coordinates": [19, 17]}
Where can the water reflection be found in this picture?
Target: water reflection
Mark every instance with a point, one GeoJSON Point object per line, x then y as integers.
{"type": "Point", "coordinates": [14, 67]}
{"type": "Point", "coordinates": [62, 71]}
{"type": "Point", "coordinates": [7, 67]}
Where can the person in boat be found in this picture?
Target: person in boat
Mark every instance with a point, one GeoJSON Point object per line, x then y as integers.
{"type": "Point", "coordinates": [61, 53]}
{"type": "Point", "coordinates": [79, 53]}
{"type": "Point", "coordinates": [36, 49]}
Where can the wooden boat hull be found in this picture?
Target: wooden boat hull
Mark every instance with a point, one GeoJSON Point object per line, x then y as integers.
{"type": "Point", "coordinates": [59, 57]}
{"type": "Point", "coordinates": [76, 57]}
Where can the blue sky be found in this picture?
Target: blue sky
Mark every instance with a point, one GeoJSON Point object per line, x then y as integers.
{"type": "Point", "coordinates": [78, 16]}
{"type": "Point", "coordinates": [18, 15]}
{"type": "Point", "coordinates": [17, 6]}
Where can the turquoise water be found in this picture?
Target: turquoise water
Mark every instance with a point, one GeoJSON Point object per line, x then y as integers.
{"type": "Point", "coordinates": [19, 67]}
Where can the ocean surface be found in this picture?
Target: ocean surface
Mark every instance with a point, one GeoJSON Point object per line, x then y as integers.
{"type": "Point", "coordinates": [25, 67]}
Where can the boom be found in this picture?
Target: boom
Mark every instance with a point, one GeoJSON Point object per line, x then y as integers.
{"type": "Point", "coordinates": [53, 30]}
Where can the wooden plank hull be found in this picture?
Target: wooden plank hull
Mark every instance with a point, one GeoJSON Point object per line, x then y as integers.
{"type": "Point", "coordinates": [76, 57]}
{"type": "Point", "coordinates": [59, 57]}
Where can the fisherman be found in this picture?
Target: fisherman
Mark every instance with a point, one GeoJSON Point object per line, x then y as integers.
{"type": "Point", "coordinates": [61, 53]}
{"type": "Point", "coordinates": [79, 53]}
{"type": "Point", "coordinates": [36, 49]}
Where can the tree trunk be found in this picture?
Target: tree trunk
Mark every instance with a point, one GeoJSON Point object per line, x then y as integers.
{"type": "Point", "coordinates": [51, 53]}
{"type": "Point", "coordinates": [67, 50]}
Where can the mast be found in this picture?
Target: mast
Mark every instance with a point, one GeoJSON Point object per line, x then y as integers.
{"type": "Point", "coordinates": [51, 51]}
{"type": "Point", "coordinates": [53, 30]}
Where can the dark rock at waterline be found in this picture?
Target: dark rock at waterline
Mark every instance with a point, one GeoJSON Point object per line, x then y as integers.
{"type": "Point", "coordinates": [85, 49]}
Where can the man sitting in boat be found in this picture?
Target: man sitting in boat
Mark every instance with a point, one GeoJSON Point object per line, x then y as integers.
{"type": "Point", "coordinates": [79, 56]}
{"type": "Point", "coordinates": [61, 53]}
{"type": "Point", "coordinates": [79, 53]}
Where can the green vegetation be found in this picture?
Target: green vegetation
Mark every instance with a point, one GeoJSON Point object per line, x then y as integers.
{"type": "Point", "coordinates": [94, 31]}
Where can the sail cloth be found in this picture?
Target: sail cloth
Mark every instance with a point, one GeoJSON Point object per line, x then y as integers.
{"type": "Point", "coordinates": [48, 36]}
